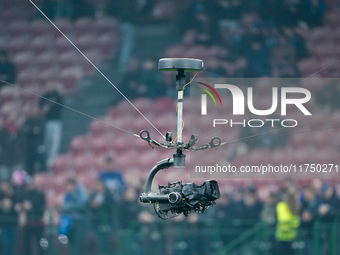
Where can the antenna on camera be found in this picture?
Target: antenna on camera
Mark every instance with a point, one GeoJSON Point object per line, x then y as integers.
{"type": "Point", "coordinates": [181, 65]}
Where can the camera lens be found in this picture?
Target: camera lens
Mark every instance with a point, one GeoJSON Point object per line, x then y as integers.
{"type": "Point", "coordinates": [174, 197]}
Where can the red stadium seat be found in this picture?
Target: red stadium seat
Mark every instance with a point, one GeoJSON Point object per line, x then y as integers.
{"type": "Point", "coordinates": [22, 61]}
{"type": "Point", "coordinates": [62, 45]}
{"type": "Point", "coordinates": [62, 164]}
{"type": "Point", "coordinates": [332, 19]}
{"type": "Point", "coordinates": [46, 60]}
{"type": "Point", "coordinates": [94, 56]}
{"type": "Point", "coordinates": [40, 44]}
{"type": "Point", "coordinates": [8, 94]}
{"type": "Point", "coordinates": [65, 25]}
{"type": "Point", "coordinates": [84, 26]}
{"type": "Point", "coordinates": [107, 45]}
{"type": "Point", "coordinates": [43, 181]}
{"type": "Point", "coordinates": [100, 145]}
{"type": "Point", "coordinates": [106, 25]}
{"type": "Point", "coordinates": [97, 128]}
{"type": "Point", "coordinates": [323, 50]}
{"type": "Point", "coordinates": [320, 35]}
{"type": "Point", "coordinates": [79, 145]}
{"type": "Point", "coordinates": [17, 44]}
{"type": "Point", "coordinates": [18, 28]}
{"type": "Point", "coordinates": [68, 59]}
{"type": "Point", "coordinates": [41, 27]}
{"type": "Point", "coordinates": [300, 140]}
{"type": "Point", "coordinates": [69, 80]}
{"type": "Point", "coordinates": [308, 67]}
{"type": "Point", "coordinates": [175, 51]}
{"type": "Point", "coordinates": [86, 42]}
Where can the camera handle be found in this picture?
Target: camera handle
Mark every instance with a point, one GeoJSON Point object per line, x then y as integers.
{"type": "Point", "coordinates": [149, 197]}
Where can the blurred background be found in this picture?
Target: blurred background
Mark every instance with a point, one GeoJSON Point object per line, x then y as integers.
{"type": "Point", "coordinates": [70, 184]}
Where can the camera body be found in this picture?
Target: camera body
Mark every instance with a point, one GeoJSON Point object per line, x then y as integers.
{"type": "Point", "coordinates": [177, 197]}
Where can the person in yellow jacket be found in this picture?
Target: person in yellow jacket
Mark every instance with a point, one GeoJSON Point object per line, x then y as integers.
{"type": "Point", "coordinates": [288, 222]}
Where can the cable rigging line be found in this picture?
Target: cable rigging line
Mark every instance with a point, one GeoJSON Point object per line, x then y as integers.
{"type": "Point", "coordinates": [101, 73]}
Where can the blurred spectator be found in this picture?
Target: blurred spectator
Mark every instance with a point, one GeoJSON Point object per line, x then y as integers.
{"type": "Point", "coordinates": [12, 144]}
{"type": "Point", "coordinates": [226, 209]}
{"type": "Point", "coordinates": [309, 214]}
{"type": "Point", "coordinates": [328, 212]}
{"type": "Point", "coordinates": [131, 81]}
{"type": "Point", "coordinates": [329, 208]}
{"type": "Point", "coordinates": [35, 150]}
{"type": "Point", "coordinates": [125, 11]}
{"type": "Point", "coordinates": [225, 212]}
{"type": "Point", "coordinates": [206, 28]}
{"type": "Point", "coordinates": [288, 222]}
{"type": "Point", "coordinates": [214, 69]}
{"type": "Point", "coordinates": [103, 213]}
{"type": "Point", "coordinates": [283, 60]}
{"type": "Point", "coordinates": [73, 220]}
{"type": "Point", "coordinates": [7, 69]}
{"type": "Point", "coordinates": [327, 97]}
{"type": "Point", "coordinates": [50, 106]}
{"type": "Point", "coordinates": [251, 206]}
{"type": "Point", "coordinates": [258, 58]}
{"type": "Point", "coordinates": [19, 179]}
{"type": "Point", "coordinates": [150, 78]}
{"type": "Point", "coordinates": [33, 206]}
{"type": "Point", "coordinates": [130, 208]}
{"type": "Point", "coordinates": [312, 12]}
{"type": "Point", "coordinates": [309, 206]}
{"type": "Point", "coordinates": [113, 179]}
{"type": "Point", "coordinates": [296, 41]}
{"type": "Point", "coordinates": [9, 207]}
{"type": "Point", "coordinates": [268, 213]}
{"type": "Point", "coordinates": [228, 10]}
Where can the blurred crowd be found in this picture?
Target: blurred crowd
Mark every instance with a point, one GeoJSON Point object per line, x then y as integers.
{"type": "Point", "coordinates": [98, 220]}
{"type": "Point", "coordinates": [31, 143]}
{"type": "Point", "coordinates": [250, 39]}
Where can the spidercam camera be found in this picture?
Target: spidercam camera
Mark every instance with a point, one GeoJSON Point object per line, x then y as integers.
{"type": "Point", "coordinates": [177, 197]}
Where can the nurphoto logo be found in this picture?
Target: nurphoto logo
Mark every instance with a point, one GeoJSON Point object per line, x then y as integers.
{"type": "Point", "coordinates": [238, 106]}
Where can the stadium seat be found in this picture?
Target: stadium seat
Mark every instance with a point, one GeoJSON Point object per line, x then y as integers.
{"type": "Point", "coordinates": [323, 50]}
{"type": "Point", "coordinates": [46, 60]}
{"type": "Point", "coordinates": [83, 26]}
{"type": "Point", "coordinates": [107, 45]}
{"type": "Point", "coordinates": [40, 44]}
{"type": "Point", "coordinates": [106, 25]}
{"type": "Point", "coordinates": [41, 27]}
{"type": "Point", "coordinates": [79, 145]}
{"type": "Point", "coordinates": [332, 18]}
{"type": "Point", "coordinates": [100, 144]}
{"type": "Point", "coordinates": [97, 128]}
{"type": "Point", "coordinates": [22, 61]}
{"type": "Point", "coordinates": [62, 45]}
{"type": "Point", "coordinates": [62, 163]}
{"type": "Point", "coordinates": [68, 59]}
{"type": "Point", "coordinates": [43, 180]}
{"type": "Point", "coordinates": [86, 42]}
{"type": "Point", "coordinates": [308, 67]}
{"type": "Point", "coordinates": [17, 44]}
{"type": "Point", "coordinates": [69, 79]}
{"type": "Point", "coordinates": [18, 28]}
{"type": "Point", "coordinates": [65, 25]}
